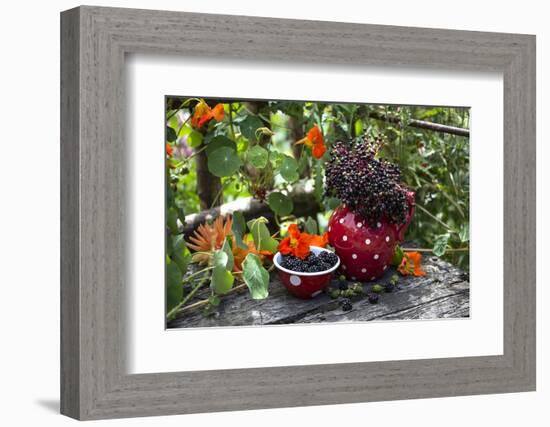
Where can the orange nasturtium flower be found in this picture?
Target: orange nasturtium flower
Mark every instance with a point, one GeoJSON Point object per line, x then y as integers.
{"type": "Point", "coordinates": [410, 264]}
{"type": "Point", "coordinates": [203, 114]}
{"type": "Point", "coordinates": [298, 243]}
{"type": "Point", "coordinates": [169, 150]}
{"type": "Point", "coordinates": [208, 238]}
{"type": "Point", "coordinates": [314, 139]}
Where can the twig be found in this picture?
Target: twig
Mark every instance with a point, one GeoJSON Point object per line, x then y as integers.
{"type": "Point", "coordinates": [199, 285]}
{"type": "Point", "coordinates": [431, 250]}
{"type": "Point", "coordinates": [453, 130]}
{"type": "Point", "coordinates": [238, 288]}
{"type": "Point", "coordinates": [432, 216]}
{"type": "Point", "coordinates": [205, 301]}
{"type": "Point", "coordinates": [231, 122]}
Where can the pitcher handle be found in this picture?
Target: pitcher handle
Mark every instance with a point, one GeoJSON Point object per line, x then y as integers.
{"type": "Point", "coordinates": [401, 229]}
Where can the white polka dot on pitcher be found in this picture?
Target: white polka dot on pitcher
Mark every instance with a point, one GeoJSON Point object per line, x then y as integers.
{"type": "Point", "coordinates": [379, 225]}
{"type": "Point", "coordinates": [363, 270]}
{"type": "Point", "coordinates": [376, 256]}
{"type": "Point", "coordinates": [341, 220]}
{"type": "Point", "coordinates": [367, 241]}
{"type": "Point", "coordinates": [345, 238]}
{"type": "Point", "coordinates": [387, 238]}
{"type": "Point", "coordinates": [359, 225]}
{"type": "Point", "coordinates": [354, 256]}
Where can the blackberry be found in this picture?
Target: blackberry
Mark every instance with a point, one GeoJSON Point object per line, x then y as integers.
{"type": "Point", "coordinates": [373, 298]}
{"type": "Point", "coordinates": [329, 258]}
{"type": "Point", "coordinates": [292, 263]}
{"type": "Point", "coordinates": [369, 186]}
{"type": "Point", "coordinates": [389, 287]}
{"type": "Point", "coordinates": [346, 304]}
{"type": "Point", "coordinates": [310, 264]}
{"type": "Point", "coordinates": [343, 286]}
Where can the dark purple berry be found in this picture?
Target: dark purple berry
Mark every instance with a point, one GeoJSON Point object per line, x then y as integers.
{"type": "Point", "coordinates": [373, 298]}
{"type": "Point", "coordinates": [310, 264]}
{"type": "Point", "coordinates": [389, 287]}
{"type": "Point", "coordinates": [346, 304]}
{"type": "Point", "coordinates": [369, 186]}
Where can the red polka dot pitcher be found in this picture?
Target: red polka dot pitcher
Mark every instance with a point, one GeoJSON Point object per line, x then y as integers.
{"type": "Point", "coordinates": [365, 250]}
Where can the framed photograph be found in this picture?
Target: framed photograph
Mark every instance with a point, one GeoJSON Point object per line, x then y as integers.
{"type": "Point", "coordinates": [305, 213]}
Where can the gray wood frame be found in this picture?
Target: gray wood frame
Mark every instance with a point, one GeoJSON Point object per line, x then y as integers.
{"type": "Point", "coordinates": [94, 383]}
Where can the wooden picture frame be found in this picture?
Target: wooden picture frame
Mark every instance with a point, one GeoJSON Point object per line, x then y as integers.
{"type": "Point", "coordinates": [94, 41]}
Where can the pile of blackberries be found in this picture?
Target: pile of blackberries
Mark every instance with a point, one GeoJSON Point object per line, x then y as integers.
{"type": "Point", "coordinates": [370, 186]}
{"type": "Point", "coordinates": [310, 264]}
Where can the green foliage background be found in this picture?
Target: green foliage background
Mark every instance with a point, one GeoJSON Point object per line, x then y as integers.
{"type": "Point", "coordinates": [434, 164]}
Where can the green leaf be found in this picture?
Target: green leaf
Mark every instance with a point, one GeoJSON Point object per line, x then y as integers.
{"type": "Point", "coordinates": [258, 156]}
{"type": "Point", "coordinates": [464, 233]}
{"type": "Point", "coordinates": [229, 252]}
{"type": "Point", "coordinates": [261, 236]}
{"type": "Point", "coordinates": [171, 135]}
{"type": "Point", "coordinates": [289, 169]}
{"type": "Point", "coordinates": [358, 125]}
{"type": "Point", "coordinates": [249, 125]}
{"type": "Point", "coordinates": [332, 202]}
{"type": "Point", "coordinates": [311, 226]}
{"type": "Point", "coordinates": [318, 183]}
{"type": "Point", "coordinates": [194, 139]}
{"type": "Point", "coordinates": [219, 141]}
{"type": "Point", "coordinates": [256, 277]}
{"type": "Point", "coordinates": [397, 256]}
{"type": "Point", "coordinates": [280, 203]}
{"type": "Point", "coordinates": [440, 244]}
{"type": "Point", "coordinates": [221, 281]}
{"type": "Point", "coordinates": [223, 161]}
{"type": "Point", "coordinates": [214, 300]}
{"type": "Point", "coordinates": [172, 220]}
{"type": "Point", "coordinates": [276, 159]}
{"type": "Point", "coordinates": [180, 254]}
{"type": "Point", "coordinates": [220, 258]}
{"type": "Point", "coordinates": [239, 229]}
{"type": "Point", "coordinates": [174, 288]}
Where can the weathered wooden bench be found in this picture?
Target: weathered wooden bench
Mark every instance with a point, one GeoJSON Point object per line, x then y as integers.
{"type": "Point", "coordinates": [443, 293]}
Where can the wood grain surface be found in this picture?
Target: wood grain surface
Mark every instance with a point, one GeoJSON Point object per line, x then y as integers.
{"type": "Point", "coordinates": [442, 294]}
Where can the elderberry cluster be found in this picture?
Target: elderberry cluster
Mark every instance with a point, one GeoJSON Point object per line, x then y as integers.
{"type": "Point", "coordinates": [370, 186]}
{"type": "Point", "coordinates": [311, 264]}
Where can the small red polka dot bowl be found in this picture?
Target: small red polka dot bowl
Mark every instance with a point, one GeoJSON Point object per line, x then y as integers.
{"type": "Point", "coordinates": [304, 285]}
{"type": "Point", "coordinates": [365, 250]}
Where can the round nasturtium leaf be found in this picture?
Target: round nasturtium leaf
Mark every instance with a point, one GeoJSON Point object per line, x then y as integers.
{"type": "Point", "coordinates": [221, 281]}
{"type": "Point", "coordinates": [256, 277]}
{"type": "Point", "coordinates": [171, 135]}
{"type": "Point", "coordinates": [217, 142]}
{"type": "Point", "coordinates": [289, 169]}
{"type": "Point", "coordinates": [280, 203]}
{"type": "Point", "coordinates": [258, 156]}
{"type": "Point", "coordinates": [223, 161]}
{"type": "Point", "coordinates": [249, 126]}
